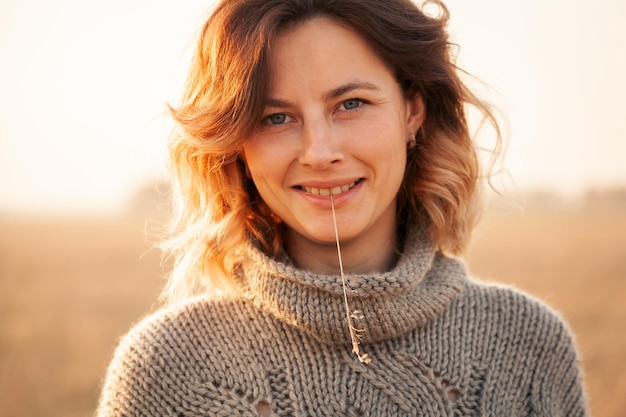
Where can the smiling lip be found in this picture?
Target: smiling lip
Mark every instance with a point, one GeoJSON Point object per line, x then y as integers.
{"type": "Point", "coordinates": [330, 191]}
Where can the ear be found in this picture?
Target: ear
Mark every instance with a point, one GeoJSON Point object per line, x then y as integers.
{"type": "Point", "coordinates": [416, 113]}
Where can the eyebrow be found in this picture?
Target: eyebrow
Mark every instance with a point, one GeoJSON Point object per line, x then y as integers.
{"type": "Point", "coordinates": [358, 85]}
{"type": "Point", "coordinates": [334, 93]}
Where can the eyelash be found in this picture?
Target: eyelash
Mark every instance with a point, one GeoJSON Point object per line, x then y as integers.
{"type": "Point", "coordinates": [267, 120]}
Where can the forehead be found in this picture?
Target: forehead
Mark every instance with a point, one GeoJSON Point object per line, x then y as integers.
{"type": "Point", "coordinates": [322, 50]}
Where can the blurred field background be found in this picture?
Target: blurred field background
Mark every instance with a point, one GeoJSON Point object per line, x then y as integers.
{"type": "Point", "coordinates": [70, 287]}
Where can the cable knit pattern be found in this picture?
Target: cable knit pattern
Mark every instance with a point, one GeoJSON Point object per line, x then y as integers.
{"type": "Point", "coordinates": [441, 345]}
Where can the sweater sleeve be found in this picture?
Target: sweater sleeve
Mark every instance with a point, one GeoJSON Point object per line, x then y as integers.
{"type": "Point", "coordinates": [557, 388]}
{"type": "Point", "coordinates": [126, 390]}
{"type": "Point", "coordinates": [146, 373]}
{"type": "Point", "coordinates": [166, 366]}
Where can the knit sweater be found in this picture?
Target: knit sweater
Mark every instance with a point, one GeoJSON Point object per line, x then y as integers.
{"type": "Point", "coordinates": [440, 344]}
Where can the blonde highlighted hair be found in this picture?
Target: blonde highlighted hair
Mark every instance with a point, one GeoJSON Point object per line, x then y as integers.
{"type": "Point", "coordinates": [217, 207]}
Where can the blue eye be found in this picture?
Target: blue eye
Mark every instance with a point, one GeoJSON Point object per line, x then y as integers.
{"type": "Point", "coordinates": [351, 104]}
{"type": "Point", "coordinates": [277, 118]}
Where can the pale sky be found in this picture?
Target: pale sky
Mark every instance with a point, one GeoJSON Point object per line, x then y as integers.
{"type": "Point", "coordinates": [83, 87]}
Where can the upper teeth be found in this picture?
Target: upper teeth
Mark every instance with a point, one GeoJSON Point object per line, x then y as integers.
{"type": "Point", "coordinates": [329, 191]}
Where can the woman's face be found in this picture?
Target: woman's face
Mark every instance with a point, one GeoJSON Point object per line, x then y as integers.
{"type": "Point", "coordinates": [335, 122]}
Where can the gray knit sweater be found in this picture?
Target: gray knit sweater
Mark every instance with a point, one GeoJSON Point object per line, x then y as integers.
{"type": "Point", "coordinates": [440, 344]}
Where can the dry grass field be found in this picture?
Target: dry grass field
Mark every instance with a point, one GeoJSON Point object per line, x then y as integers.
{"type": "Point", "coordinates": [69, 288]}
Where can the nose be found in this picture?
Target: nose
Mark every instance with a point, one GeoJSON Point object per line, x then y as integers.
{"type": "Point", "coordinates": [320, 145]}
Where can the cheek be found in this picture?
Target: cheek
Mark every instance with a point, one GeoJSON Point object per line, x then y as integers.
{"type": "Point", "coordinates": [384, 149]}
{"type": "Point", "coordinates": [382, 142]}
{"type": "Point", "coordinates": [256, 151]}
{"type": "Point", "coordinates": [266, 163]}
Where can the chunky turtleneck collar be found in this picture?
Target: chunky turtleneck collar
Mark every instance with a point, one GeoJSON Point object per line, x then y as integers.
{"type": "Point", "coordinates": [384, 305]}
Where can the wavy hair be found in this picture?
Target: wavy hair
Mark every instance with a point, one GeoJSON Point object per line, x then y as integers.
{"type": "Point", "coordinates": [217, 208]}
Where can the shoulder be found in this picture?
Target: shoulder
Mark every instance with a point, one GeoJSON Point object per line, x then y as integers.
{"type": "Point", "coordinates": [170, 323]}
{"type": "Point", "coordinates": [508, 307]}
{"type": "Point", "coordinates": [200, 323]}
{"type": "Point", "coordinates": [509, 325]}
{"type": "Point", "coordinates": [186, 350]}
{"type": "Point", "coordinates": [521, 341]}
{"type": "Point", "coordinates": [164, 332]}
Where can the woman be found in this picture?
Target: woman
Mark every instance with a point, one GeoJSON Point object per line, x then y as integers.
{"type": "Point", "coordinates": [325, 176]}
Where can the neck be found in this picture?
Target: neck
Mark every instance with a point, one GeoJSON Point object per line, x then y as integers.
{"type": "Point", "coordinates": [358, 255]}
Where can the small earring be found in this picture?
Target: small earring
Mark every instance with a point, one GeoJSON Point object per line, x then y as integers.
{"type": "Point", "coordinates": [412, 141]}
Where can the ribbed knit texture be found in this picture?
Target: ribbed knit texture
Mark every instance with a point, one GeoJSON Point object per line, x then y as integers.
{"type": "Point", "coordinates": [441, 345]}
